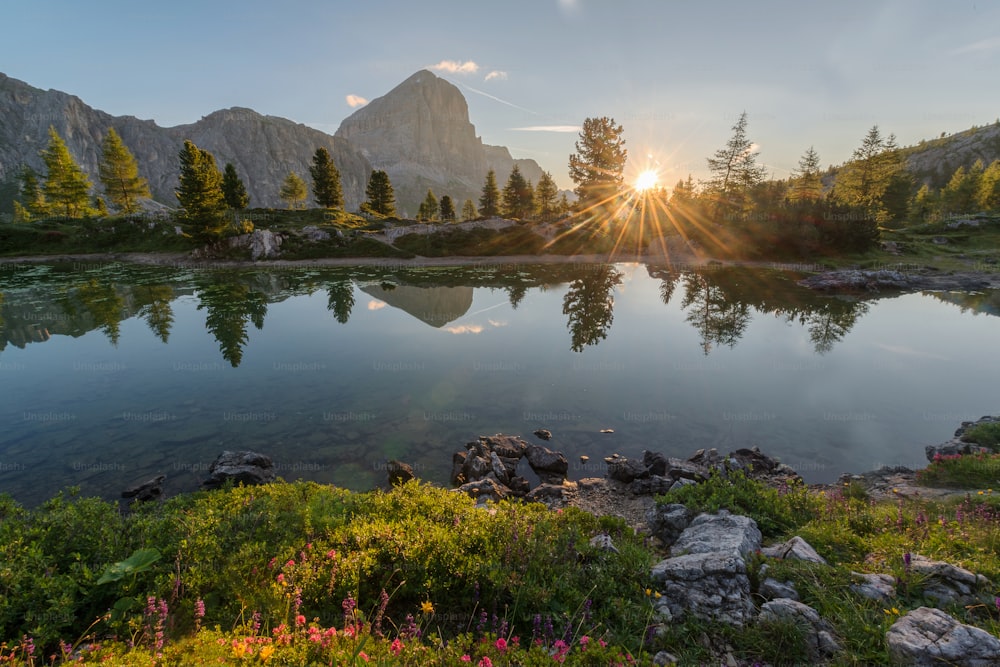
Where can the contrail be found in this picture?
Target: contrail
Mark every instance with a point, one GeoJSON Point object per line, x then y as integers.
{"type": "Point", "coordinates": [494, 97]}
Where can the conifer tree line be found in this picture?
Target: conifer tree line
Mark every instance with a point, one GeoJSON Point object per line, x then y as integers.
{"type": "Point", "coordinates": [873, 185]}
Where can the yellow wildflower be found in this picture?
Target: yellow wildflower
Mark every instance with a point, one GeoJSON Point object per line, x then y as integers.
{"type": "Point", "coordinates": [239, 649]}
{"type": "Point", "coordinates": [266, 652]}
{"type": "Point", "coordinates": [427, 607]}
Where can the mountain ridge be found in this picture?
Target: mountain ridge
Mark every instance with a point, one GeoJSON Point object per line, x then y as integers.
{"type": "Point", "coordinates": [446, 156]}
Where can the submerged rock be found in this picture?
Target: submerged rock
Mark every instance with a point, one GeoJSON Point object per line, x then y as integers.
{"type": "Point", "coordinates": [398, 472]}
{"type": "Point", "coordinates": [245, 467]}
{"type": "Point", "coordinates": [151, 489]}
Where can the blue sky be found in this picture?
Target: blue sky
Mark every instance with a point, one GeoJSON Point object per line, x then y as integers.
{"type": "Point", "coordinates": [674, 74]}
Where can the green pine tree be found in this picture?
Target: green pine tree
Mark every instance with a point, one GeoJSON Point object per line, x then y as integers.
{"type": "Point", "coordinates": [447, 208]}
{"type": "Point", "coordinates": [293, 191]}
{"type": "Point", "coordinates": [233, 190]}
{"type": "Point", "coordinates": [862, 182]}
{"type": "Point", "coordinates": [518, 199]}
{"type": "Point", "coordinates": [598, 163]}
{"type": "Point", "coordinates": [119, 174]}
{"type": "Point", "coordinates": [381, 198]}
{"type": "Point", "coordinates": [66, 188]}
{"type": "Point", "coordinates": [200, 192]}
{"type": "Point", "coordinates": [326, 180]}
{"type": "Point", "coordinates": [489, 202]}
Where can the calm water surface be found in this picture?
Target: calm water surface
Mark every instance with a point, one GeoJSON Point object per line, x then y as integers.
{"type": "Point", "coordinates": [112, 374]}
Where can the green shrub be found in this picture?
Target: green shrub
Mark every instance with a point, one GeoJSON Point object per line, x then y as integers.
{"type": "Point", "coordinates": [776, 511]}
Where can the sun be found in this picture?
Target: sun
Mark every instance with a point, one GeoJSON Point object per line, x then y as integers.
{"type": "Point", "coordinates": [646, 180]}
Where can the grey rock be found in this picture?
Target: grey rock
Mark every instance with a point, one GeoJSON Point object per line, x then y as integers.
{"type": "Point", "coordinates": [706, 575]}
{"type": "Point", "coordinates": [655, 463]}
{"type": "Point", "coordinates": [819, 634]}
{"type": "Point", "coordinates": [681, 483]}
{"type": "Point", "coordinates": [552, 495]}
{"type": "Point", "coordinates": [879, 587]}
{"type": "Point", "coordinates": [625, 470]}
{"type": "Point", "coordinates": [771, 589]}
{"type": "Point", "coordinates": [708, 586]}
{"type": "Point", "coordinates": [857, 280]}
{"type": "Point", "coordinates": [458, 468]}
{"type": "Point", "coordinates": [651, 485]}
{"type": "Point", "coordinates": [550, 466]}
{"type": "Point", "coordinates": [543, 433]}
{"type": "Point", "coordinates": [668, 521]}
{"type": "Point", "coordinates": [719, 533]}
{"type": "Point", "coordinates": [955, 224]}
{"type": "Point", "coordinates": [475, 468]}
{"type": "Point", "coordinates": [603, 542]}
{"type": "Point", "coordinates": [664, 659]}
{"type": "Point", "coordinates": [486, 489]}
{"type": "Point", "coordinates": [398, 472]}
{"type": "Point", "coordinates": [247, 468]}
{"type": "Point", "coordinates": [946, 583]}
{"type": "Point", "coordinates": [499, 469]}
{"type": "Point", "coordinates": [507, 446]}
{"type": "Point", "coordinates": [795, 548]}
{"type": "Point", "coordinates": [958, 445]}
{"type": "Point", "coordinates": [927, 637]}
{"type": "Point", "coordinates": [151, 489]}
{"type": "Point", "coordinates": [314, 233]}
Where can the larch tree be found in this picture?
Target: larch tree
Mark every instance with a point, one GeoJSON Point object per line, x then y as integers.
{"type": "Point", "coordinates": [200, 191]}
{"type": "Point", "coordinates": [864, 179]}
{"type": "Point", "coordinates": [119, 173]}
{"type": "Point", "coordinates": [428, 208]}
{"type": "Point", "coordinates": [469, 210]}
{"type": "Point", "coordinates": [326, 180]}
{"type": "Point", "coordinates": [489, 201]}
{"type": "Point", "coordinates": [381, 198]}
{"type": "Point", "coordinates": [599, 162]}
{"type": "Point", "coordinates": [233, 190]}
{"type": "Point", "coordinates": [66, 187]}
{"type": "Point", "coordinates": [735, 172]}
{"type": "Point", "coordinates": [293, 191]}
{"type": "Point", "coordinates": [546, 196]}
{"type": "Point", "coordinates": [988, 196]}
{"type": "Point", "coordinates": [30, 193]}
{"type": "Point", "coordinates": [806, 183]}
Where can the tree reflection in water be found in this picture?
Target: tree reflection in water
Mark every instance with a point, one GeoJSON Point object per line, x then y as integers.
{"type": "Point", "coordinates": [231, 305]}
{"type": "Point", "coordinates": [590, 305]}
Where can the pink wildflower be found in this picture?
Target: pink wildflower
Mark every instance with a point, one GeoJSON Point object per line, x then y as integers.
{"type": "Point", "coordinates": [501, 645]}
{"type": "Point", "coordinates": [397, 646]}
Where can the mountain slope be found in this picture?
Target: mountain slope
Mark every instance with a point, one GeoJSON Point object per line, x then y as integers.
{"type": "Point", "coordinates": [263, 148]}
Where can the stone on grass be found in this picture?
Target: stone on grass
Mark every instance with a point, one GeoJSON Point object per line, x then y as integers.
{"type": "Point", "coordinates": [928, 637]}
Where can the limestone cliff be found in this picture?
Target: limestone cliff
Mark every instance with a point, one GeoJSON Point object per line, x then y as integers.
{"type": "Point", "coordinates": [420, 134]}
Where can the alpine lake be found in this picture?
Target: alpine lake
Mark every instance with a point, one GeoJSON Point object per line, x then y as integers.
{"type": "Point", "coordinates": [112, 373]}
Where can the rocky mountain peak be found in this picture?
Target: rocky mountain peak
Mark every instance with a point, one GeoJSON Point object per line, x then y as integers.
{"type": "Point", "coordinates": [420, 134]}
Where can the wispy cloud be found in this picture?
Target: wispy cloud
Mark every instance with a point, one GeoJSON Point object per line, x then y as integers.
{"type": "Point", "coordinates": [548, 128]}
{"type": "Point", "coordinates": [376, 305]}
{"type": "Point", "coordinates": [496, 74]}
{"type": "Point", "coordinates": [465, 329]}
{"type": "Point", "coordinates": [456, 67]}
{"type": "Point", "coordinates": [355, 101]}
{"type": "Point", "coordinates": [982, 46]}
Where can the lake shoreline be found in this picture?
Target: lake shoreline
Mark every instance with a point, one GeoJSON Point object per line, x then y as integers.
{"type": "Point", "coordinates": [889, 277]}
